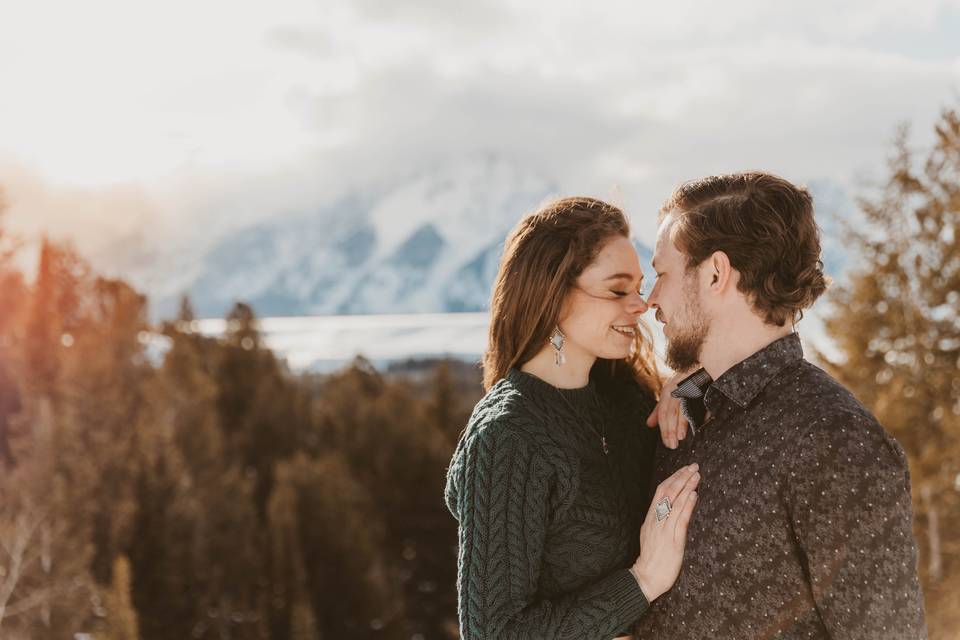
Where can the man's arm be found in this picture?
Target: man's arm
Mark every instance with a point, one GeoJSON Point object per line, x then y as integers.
{"type": "Point", "coordinates": [848, 496]}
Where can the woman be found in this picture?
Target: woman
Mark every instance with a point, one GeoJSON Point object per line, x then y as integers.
{"type": "Point", "coordinates": [550, 478]}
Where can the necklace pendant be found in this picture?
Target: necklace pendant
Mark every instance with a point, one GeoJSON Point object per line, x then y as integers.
{"type": "Point", "coordinates": [606, 449]}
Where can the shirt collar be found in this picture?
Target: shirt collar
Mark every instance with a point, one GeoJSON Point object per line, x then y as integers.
{"type": "Point", "coordinates": [744, 381]}
{"type": "Point", "coordinates": [693, 386]}
{"type": "Point", "coordinates": [691, 392]}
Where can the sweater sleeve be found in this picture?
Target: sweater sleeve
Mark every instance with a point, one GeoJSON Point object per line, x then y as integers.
{"type": "Point", "coordinates": [499, 488]}
{"type": "Point", "coordinates": [848, 496]}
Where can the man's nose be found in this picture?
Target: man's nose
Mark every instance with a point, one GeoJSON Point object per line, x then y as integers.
{"type": "Point", "coordinates": [652, 299]}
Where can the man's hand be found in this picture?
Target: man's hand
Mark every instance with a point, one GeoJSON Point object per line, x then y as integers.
{"type": "Point", "coordinates": [673, 426]}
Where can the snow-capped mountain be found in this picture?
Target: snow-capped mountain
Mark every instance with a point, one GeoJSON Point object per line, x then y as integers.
{"type": "Point", "coordinates": [429, 245]}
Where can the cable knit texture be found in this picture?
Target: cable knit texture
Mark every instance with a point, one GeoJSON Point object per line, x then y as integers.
{"type": "Point", "coordinates": [549, 525]}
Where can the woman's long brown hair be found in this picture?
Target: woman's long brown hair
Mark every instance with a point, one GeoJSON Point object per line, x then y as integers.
{"type": "Point", "coordinates": [542, 259]}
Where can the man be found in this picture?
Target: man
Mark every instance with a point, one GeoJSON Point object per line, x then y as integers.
{"type": "Point", "coordinates": [803, 528]}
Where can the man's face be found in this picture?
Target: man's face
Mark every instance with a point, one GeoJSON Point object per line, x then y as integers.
{"type": "Point", "coordinates": [676, 298]}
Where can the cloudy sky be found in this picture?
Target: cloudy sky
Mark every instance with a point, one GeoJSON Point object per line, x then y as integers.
{"type": "Point", "coordinates": [190, 116]}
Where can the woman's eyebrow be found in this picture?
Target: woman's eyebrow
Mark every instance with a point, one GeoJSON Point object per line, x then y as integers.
{"type": "Point", "coordinates": [621, 276]}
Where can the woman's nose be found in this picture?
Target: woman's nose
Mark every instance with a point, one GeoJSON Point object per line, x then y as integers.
{"type": "Point", "coordinates": [638, 304]}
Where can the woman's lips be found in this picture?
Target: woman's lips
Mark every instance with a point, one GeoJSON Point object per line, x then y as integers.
{"type": "Point", "coordinates": [625, 330]}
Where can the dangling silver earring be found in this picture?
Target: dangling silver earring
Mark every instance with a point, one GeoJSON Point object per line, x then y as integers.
{"type": "Point", "coordinates": [556, 340]}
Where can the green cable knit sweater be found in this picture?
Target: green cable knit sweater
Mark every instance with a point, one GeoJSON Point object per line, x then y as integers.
{"type": "Point", "coordinates": [549, 525]}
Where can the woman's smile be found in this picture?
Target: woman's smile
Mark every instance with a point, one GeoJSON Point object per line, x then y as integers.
{"type": "Point", "coordinates": [628, 330]}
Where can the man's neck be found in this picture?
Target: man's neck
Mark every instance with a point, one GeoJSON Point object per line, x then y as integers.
{"type": "Point", "coordinates": [572, 374]}
{"type": "Point", "coordinates": [732, 342]}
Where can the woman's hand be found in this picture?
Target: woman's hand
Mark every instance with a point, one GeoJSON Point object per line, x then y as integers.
{"type": "Point", "coordinates": [673, 426]}
{"type": "Point", "coordinates": [662, 543]}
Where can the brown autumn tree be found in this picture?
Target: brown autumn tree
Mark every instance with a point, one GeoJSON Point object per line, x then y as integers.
{"type": "Point", "coordinates": [897, 324]}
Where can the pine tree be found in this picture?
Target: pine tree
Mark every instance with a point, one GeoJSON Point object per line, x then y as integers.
{"type": "Point", "coordinates": [897, 325]}
{"type": "Point", "coordinates": [57, 479]}
{"type": "Point", "coordinates": [13, 302]}
{"type": "Point", "coordinates": [120, 614]}
{"type": "Point", "coordinates": [214, 562]}
{"type": "Point", "coordinates": [332, 551]}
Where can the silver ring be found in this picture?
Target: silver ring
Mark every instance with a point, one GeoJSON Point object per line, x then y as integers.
{"type": "Point", "coordinates": [663, 509]}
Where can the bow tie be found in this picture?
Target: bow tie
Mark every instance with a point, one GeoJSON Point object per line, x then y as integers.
{"type": "Point", "coordinates": [691, 391]}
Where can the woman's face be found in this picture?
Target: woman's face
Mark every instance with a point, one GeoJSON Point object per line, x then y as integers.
{"type": "Point", "coordinates": [601, 311]}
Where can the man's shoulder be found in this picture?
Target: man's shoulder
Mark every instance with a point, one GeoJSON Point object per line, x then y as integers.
{"type": "Point", "coordinates": [833, 417]}
{"type": "Point", "coordinates": [812, 391]}
{"type": "Point", "coordinates": [812, 382]}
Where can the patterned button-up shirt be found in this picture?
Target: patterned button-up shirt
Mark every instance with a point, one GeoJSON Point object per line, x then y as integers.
{"type": "Point", "coordinates": [803, 528]}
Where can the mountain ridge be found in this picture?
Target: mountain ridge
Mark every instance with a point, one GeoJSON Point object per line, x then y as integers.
{"type": "Point", "coordinates": [430, 244]}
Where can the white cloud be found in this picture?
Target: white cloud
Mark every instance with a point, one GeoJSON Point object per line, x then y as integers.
{"type": "Point", "coordinates": [226, 111]}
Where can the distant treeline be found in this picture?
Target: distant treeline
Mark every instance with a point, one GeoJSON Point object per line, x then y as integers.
{"type": "Point", "coordinates": [217, 495]}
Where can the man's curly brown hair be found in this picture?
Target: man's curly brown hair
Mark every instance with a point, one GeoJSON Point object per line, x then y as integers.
{"type": "Point", "coordinates": [765, 226]}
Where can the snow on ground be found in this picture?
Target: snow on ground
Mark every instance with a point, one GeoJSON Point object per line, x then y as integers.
{"type": "Point", "coordinates": [324, 343]}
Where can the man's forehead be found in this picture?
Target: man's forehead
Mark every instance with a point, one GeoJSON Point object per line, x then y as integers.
{"type": "Point", "coordinates": [664, 241]}
{"type": "Point", "coordinates": [666, 224]}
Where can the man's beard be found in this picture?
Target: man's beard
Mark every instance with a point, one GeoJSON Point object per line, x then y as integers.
{"type": "Point", "coordinates": [683, 349]}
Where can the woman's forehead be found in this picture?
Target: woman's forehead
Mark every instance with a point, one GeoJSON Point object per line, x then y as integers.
{"type": "Point", "coordinates": [616, 260]}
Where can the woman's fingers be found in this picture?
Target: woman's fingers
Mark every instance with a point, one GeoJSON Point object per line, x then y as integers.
{"type": "Point", "coordinates": [662, 542]}
{"type": "Point", "coordinates": [683, 514]}
{"type": "Point", "coordinates": [675, 483]}
{"type": "Point", "coordinates": [683, 508]}
{"type": "Point", "coordinates": [683, 481]}
{"type": "Point", "coordinates": [672, 486]}
{"type": "Point", "coordinates": [691, 483]}
{"type": "Point", "coordinates": [663, 491]}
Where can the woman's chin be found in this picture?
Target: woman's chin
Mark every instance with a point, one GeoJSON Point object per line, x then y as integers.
{"type": "Point", "coordinates": [615, 352]}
